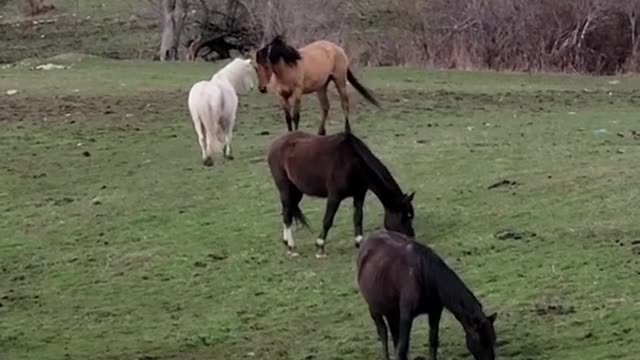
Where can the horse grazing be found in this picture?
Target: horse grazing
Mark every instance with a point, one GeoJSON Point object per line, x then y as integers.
{"type": "Point", "coordinates": [302, 71]}
{"type": "Point", "coordinates": [400, 279]}
{"type": "Point", "coordinates": [213, 105]}
{"type": "Point", "coordinates": [334, 167]}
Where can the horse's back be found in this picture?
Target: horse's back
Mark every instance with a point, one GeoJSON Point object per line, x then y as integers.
{"type": "Point", "coordinates": [386, 270]}
{"type": "Point", "coordinates": [322, 58]}
{"type": "Point", "coordinates": [222, 97]}
{"type": "Point", "coordinates": [314, 164]}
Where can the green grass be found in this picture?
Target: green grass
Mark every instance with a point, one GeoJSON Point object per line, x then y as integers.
{"type": "Point", "coordinates": [117, 29]}
{"type": "Point", "coordinates": [138, 252]}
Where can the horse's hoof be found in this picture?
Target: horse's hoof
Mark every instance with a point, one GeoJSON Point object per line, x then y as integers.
{"type": "Point", "coordinates": [321, 255]}
{"type": "Point", "coordinates": [358, 240]}
{"type": "Point", "coordinates": [292, 253]}
{"type": "Point", "coordinates": [229, 157]}
{"type": "Point", "coordinates": [207, 162]}
{"type": "Point", "coordinates": [322, 132]}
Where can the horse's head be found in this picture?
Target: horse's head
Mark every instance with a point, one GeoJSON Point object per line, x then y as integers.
{"type": "Point", "coordinates": [400, 219]}
{"type": "Point", "coordinates": [263, 68]}
{"type": "Point", "coordinates": [481, 337]}
{"type": "Point", "coordinates": [247, 78]}
{"type": "Point", "coordinates": [239, 73]}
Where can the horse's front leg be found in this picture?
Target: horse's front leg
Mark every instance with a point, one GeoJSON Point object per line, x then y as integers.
{"type": "Point", "coordinates": [286, 107]}
{"type": "Point", "coordinates": [404, 335]}
{"type": "Point", "coordinates": [332, 207]}
{"type": "Point", "coordinates": [324, 106]}
{"type": "Point", "coordinates": [297, 100]}
{"type": "Point", "coordinates": [434, 325]}
{"type": "Point", "coordinates": [358, 204]}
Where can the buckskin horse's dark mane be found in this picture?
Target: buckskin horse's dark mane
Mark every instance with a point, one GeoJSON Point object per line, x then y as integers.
{"type": "Point", "coordinates": [278, 50]}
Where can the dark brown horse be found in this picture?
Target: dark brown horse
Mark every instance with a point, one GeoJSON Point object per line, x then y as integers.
{"type": "Point", "coordinates": [334, 167]}
{"type": "Point", "coordinates": [401, 278]}
{"type": "Point", "coordinates": [312, 68]}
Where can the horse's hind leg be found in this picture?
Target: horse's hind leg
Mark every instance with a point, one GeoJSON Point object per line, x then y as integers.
{"type": "Point", "coordinates": [290, 198]}
{"type": "Point", "coordinates": [358, 204]}
{"type": "Point", "coordinates": [341, 86]}
{"type": "Point", "coordinates": [324, 106]}
{"type": "Point", "coordinates": [227, 147]}
{"type": "Point", "coordinates": [381, 327]}
{"type": "Point", "coordinates": [333, 203]}
{"type": "Point", "coordinates": [206, 160]}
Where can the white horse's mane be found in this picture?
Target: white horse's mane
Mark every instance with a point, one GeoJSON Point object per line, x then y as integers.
{"type": "Point", "coordinates": [239, 73]}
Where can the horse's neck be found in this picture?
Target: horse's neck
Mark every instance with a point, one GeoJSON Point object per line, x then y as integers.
{"type": "Point", "coordinates": [225, 80]}
{"type": "Point", "coordinates": [288, 74]}
{"type": "Point", "coordinates": [389, 197]}
{"type": "Point", "coordinates": [456, 297]}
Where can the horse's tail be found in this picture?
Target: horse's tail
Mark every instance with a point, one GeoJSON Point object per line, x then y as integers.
{"type": "Point", "coordinates": [211, 121]}
{"type": "Point", "coordinates": [361, 89]}
{"type": "Point", "coordinates": [299, 217]}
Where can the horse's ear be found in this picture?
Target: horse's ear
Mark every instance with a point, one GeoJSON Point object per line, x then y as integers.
{"type": "Point", "coordinates": [492, 317]}
{"type": "Point", "coordinates": [410, 197]}
{"type": "Point", "coordinates": [247, 54]}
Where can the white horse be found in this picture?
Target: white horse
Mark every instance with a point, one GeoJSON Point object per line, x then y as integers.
{"type": "Point", "coordinates": [213, 105]}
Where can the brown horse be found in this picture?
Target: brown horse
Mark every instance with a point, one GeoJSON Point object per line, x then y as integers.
{"type": "Point", "coordinates": [302, 71]}
{"type": "Point", "coordinates": [401, 278]}
{"type": "Point", "coordinates": [334, 167]}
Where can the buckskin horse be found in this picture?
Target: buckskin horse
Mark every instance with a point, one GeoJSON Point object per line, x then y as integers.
{"type": "Point", "coordinates": [334, 167]}
{"type": "Point", "coordinates": [297, 72]}
{"type": "Point", "coordinates": [401, 278]}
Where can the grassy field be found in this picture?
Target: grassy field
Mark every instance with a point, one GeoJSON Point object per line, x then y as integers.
{"type": "Point", "coordinates": [115, 243]}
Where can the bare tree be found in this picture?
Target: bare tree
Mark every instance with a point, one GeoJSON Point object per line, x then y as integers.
{"type": "Point", "coordinates": [35, 7]}
{"type": "Point", "coordinates": [173, 17]}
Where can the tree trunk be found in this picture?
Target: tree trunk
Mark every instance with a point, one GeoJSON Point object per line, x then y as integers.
{"type": "Point", "coordinates": [632, 21]}
{"type": "Point", "coordinates": [173, 16]}
{"type": "Point", "coordinates": [35, 7]}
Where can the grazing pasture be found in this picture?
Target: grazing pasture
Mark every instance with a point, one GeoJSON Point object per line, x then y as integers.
{"type": "Point", "coordinates": [116, 243]}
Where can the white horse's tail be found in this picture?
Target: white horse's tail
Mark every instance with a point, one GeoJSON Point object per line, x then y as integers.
{"type": "Point", "coordinates": [211, 120]}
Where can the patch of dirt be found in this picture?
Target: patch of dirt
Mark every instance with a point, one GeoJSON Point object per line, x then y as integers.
{"type": "Point", "coordinates": [504, 183]}
{"type": "Point", "coordinates": [71, 107]}
{"type": "Point", "coordinates": [543, 310]}
{"type": "Point", "coordinates": [509, 234]}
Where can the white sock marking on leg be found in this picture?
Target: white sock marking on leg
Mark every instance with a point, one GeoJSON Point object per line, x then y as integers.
{"type": "Point", "coordinates": [358, 239]}
{"type": "Point", "coordinates": [320, 242]}
{"type": "Point", "coordinates": [288, 235]}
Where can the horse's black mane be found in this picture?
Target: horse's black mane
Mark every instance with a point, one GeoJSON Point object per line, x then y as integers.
{"type": "Point", "coordinates": [440, 279]}
{"type": "Point", "coordinates": [374, 165]}
{"type": "Point", "coordinates": [278, 50]}
{"type": "Point", "coordinates": [262, 55]}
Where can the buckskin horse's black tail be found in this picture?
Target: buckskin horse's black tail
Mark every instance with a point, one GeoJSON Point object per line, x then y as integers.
{"type": "Point", "coordinates": [361, 89]}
